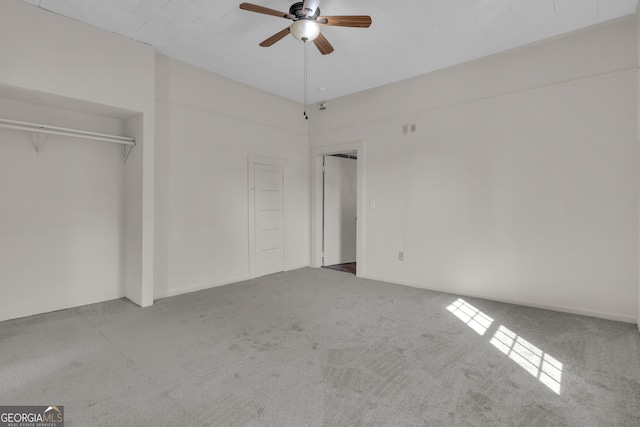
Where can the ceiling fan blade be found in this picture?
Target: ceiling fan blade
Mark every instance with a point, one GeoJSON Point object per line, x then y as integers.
{"type": "Point", "coordinates": [359, 21]}
{"type": "Point", "coordinates": [310, 6]}
{"type": "Point", "coordinates": [259, 9]}
{"type": "Point", "coordinates": [323, 45]}
{"type": "Point", "coordinates": [276, 37]}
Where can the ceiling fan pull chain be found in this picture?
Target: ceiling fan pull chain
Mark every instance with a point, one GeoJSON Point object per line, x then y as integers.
{"type": "Point", "coordinates": [305, 80]}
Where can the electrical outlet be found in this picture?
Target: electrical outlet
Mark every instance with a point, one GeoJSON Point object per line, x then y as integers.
{"type": "Point", "coordinates": [413, 127]}
{"type": "Point", "coordinates": [401, 256]}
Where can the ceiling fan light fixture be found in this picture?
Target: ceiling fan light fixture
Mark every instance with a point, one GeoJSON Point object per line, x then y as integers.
{"type": "Point", "coordinates": [305, 30]}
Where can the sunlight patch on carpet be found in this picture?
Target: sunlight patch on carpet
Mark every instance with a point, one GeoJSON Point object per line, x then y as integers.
{"type": "Point", "coordinates": [471, 316]}
{"type": "Point", "coordinates": [541, 365]}
{"type": "Point", "coordinates": [547, 369]}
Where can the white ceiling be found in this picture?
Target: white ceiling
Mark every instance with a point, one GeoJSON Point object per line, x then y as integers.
{"type": "Point", "coordinates": [407, 37]}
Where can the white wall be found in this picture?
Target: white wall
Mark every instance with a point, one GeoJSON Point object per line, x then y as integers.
{"type": "Point", "coordinates": [206, 128]}
{"type": "Point", "coordinates": [134, 254]}
{"type": "Point", "coordinates": [638, 46]}
{"type": "Point", "coordinates": [58, 62]}
{"type": "Point", "coordinates": [520, 182]}
{"type": "Point", "coordinates": [50, 53]}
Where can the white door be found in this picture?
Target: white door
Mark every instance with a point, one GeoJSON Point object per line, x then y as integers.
{"type": "Point", "coordinates": [340, 210]}
{"type": "Point", "coordinates": [267, 232]}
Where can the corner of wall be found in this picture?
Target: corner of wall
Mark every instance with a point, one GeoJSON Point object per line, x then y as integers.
{"type": "Point", "coordinates": [638, 130]}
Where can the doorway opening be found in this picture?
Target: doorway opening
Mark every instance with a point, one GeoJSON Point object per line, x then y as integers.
{"type": "Point", "coordinates": [349, 267]}
{"type": "Point", "coordinates": [339, 213]}
{"type": "Point", "coordinates": [321, 252]}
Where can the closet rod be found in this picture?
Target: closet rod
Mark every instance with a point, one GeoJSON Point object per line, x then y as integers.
{"type": "Point", "coordinates": [55, 130]}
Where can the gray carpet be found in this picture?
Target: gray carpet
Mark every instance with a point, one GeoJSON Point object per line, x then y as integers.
{"type": "Point", "coordinates": [316, 347]}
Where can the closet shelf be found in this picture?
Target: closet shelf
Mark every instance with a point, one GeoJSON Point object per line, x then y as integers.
{"type": "Point", "coordinates": [41, 129]}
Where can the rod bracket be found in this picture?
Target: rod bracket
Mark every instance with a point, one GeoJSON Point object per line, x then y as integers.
{"type": "Point", "coordinates": [39, 142]}
{"type": "Point", "coordinates": [127, 150]}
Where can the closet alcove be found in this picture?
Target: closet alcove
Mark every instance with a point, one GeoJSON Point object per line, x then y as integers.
{"type": "Point", "coordinates": [70, 216]}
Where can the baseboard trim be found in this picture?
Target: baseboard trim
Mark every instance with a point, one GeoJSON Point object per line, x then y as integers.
{"type": "Point", "coordinates": [62, 308]}
{"type": "Point", "coordinates": [563, 309]}
{"type": "Point", "coordinates": [296, 267]}
{"type": "Point", "coordinates": [195, 288]}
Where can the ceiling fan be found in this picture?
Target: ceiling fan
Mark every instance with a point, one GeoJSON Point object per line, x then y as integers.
{"type": "Point", "coordinates": [306, 23]}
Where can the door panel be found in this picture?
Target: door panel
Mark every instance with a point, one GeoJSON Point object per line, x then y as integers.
{"type": "Point", "coordinates": [268, 220]}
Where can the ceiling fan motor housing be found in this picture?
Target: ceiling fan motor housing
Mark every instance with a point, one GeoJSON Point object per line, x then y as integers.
{"type": "Point", "coordinates": [297, 10]}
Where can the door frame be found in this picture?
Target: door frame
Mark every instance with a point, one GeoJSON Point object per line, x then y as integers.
{"type": "Point", "coordinates": [317, 154]}
{"type": "Point", "coordinates": [251, 162]}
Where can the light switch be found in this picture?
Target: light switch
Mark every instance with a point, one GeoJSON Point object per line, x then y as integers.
{"type": "Point", "coordinates": [372, 204]}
